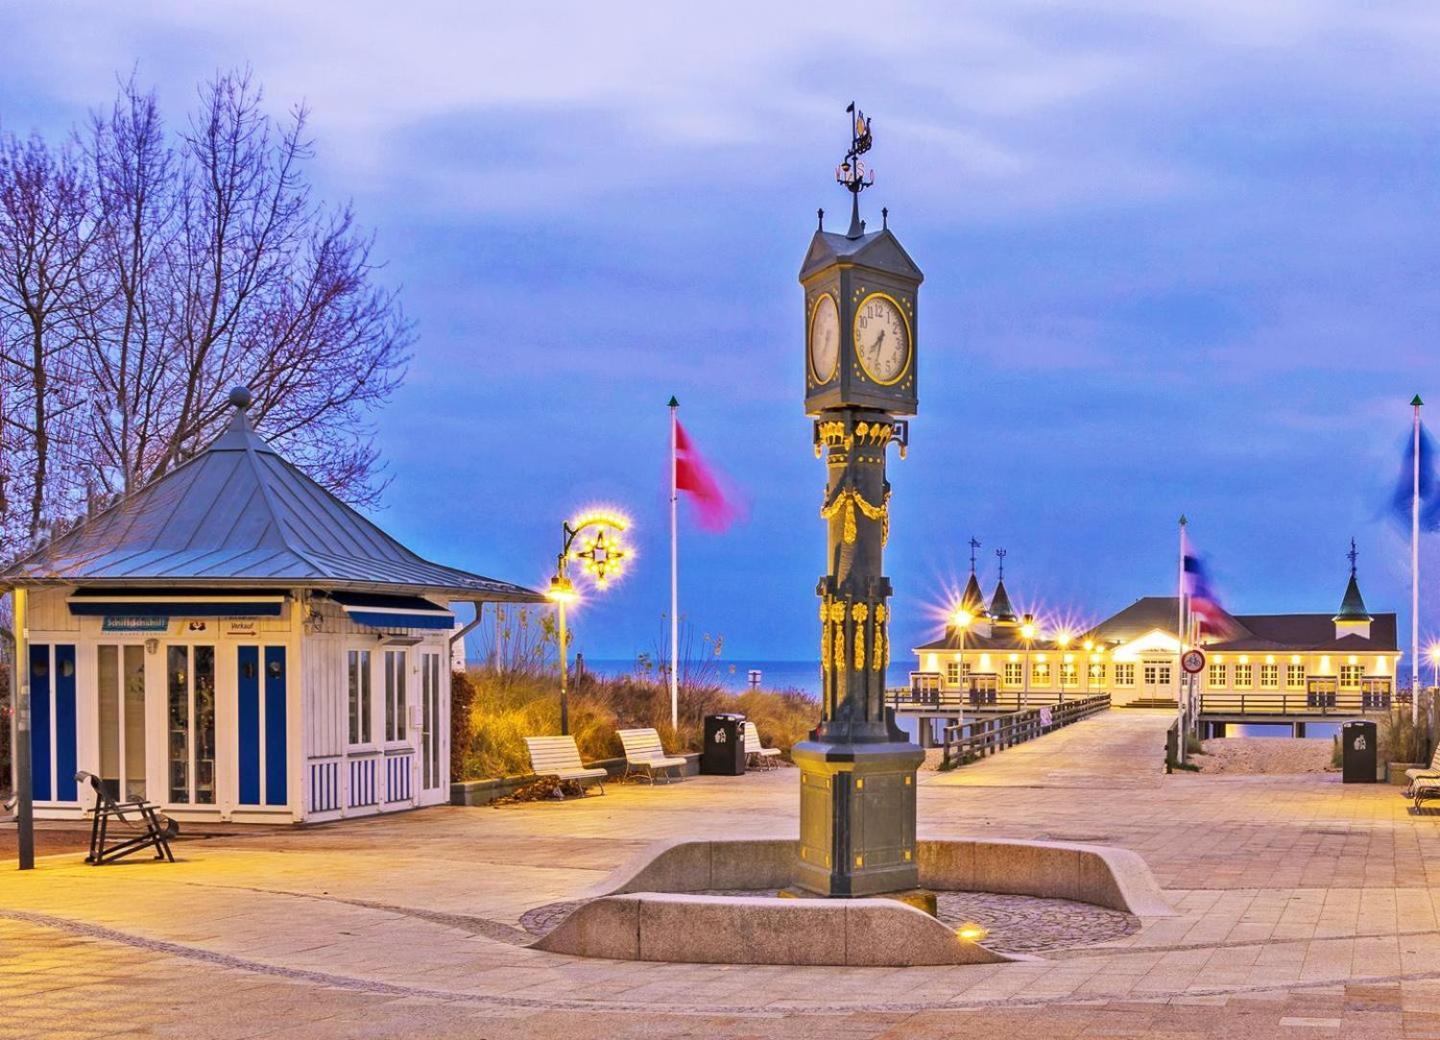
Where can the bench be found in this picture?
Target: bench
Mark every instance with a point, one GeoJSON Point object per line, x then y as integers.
{"type": "Point", "coordinates": [1432, 770]}
{"type": "Point", "coordinates": [559, 757]}
{"type": "Point", "coordinates": [757, 753]}
{"type": "Point", "coordinates": [1423, 789]}
{"type": "Point", "coordinates": [155, 831]}
{"type": "Point", "coordinates": [644, 752]}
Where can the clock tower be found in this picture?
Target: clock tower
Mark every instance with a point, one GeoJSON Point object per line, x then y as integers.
{"type": "Point", "coordinates": [857, 769]}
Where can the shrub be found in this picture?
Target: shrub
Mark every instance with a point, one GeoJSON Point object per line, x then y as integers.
{"type": "Point", "coordinates": [1400, 739]}
{"type": "Point", "coordinates": [492, 713]}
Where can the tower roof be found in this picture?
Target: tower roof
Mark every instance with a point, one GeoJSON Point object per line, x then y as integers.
{"type": "Point", "coordinates": [238, 513]}
{"type": "Point", "coordinates": [1352, 607]}
{"type": "Point", "coordinates": [1001, 612]}
{"type": "Point", "coordinates": [972, 599]}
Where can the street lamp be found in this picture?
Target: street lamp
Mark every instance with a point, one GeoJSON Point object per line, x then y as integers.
{"type": "Point", "coordinates": [1063, 642]}
{"type": "Point", "coordinates": [1435, 664]}
{"type": "Point", "coordinates": [1027, 633]}
{"type": "Point", "coordinates": [601, 555]}
{"type": "Point", "coordinates": [962, 619]}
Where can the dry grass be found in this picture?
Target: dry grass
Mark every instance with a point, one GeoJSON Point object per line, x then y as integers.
{"type": "Point", "coordinates": [493, 713]}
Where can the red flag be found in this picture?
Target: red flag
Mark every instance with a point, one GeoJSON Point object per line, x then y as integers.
{"type": "Point", "coordinates": [714, 510]}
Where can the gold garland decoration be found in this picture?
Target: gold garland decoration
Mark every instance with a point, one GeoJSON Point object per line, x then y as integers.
{"type": "Point", "coordinates": [837, 615]}
{"type": "Point", "coordinates": [824, 636]}
{"type": "Point", "coordinates": [850, 499]}
{"type": "Point", "coordinates": [860, 612]}
{"type": "Point", "coordinates": [882, 648]}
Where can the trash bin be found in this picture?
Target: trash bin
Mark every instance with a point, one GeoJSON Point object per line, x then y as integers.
{"type": "Point", "coordinates": [1358, 752]}
{"type": "Point", "coordinates": [724, 750]}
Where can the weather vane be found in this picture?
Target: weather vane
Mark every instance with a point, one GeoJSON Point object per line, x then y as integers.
{"type": "Point", "coordinates": [1000, 555]}
{"type": "Point", "coordinates": [974, 547]}
{"type": "Point", "coordinates": [853, 174]}
{"type": "Point", "coordinates": [1352, 555]}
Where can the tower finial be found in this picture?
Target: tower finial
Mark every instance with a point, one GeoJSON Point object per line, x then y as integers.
{"type": "Point", "coordinates": [974, 548]}
{"type": "Point", "coordinates": [1000, 555]}
{"type": "Point", "coordinates": [853, 174]}
{"type": "Point", "coordinates": [1351, 556]}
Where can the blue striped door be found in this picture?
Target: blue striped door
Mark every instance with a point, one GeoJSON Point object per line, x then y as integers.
{"type": "Point", "coordinates": [65, 749]}
{"type": "Point", "coordinates": [247, 729]}
{"type": "Point", "coordinates": [275, 756]}
{"type": "Point", "coordinates": [52, 712]}
{"type": "Point", "coordinates": [41, 766]}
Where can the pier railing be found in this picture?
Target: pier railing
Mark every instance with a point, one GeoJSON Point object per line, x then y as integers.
{"type": "Point", "coordinates": [1296, 702]}
{"type": "Point", "coordinates": [987, 735]}
{"type": "Point", "coordinates": [940, 702]}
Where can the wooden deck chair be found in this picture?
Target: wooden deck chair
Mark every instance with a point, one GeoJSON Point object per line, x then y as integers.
{"type": "Point", "coordinates": [755, 752]}
{"type": "Point", "coordinates": [645, 754]}
{"type": "Point", "coordinates": [560, 757]}
{"type": "Point", "coordinates": [149, 828]}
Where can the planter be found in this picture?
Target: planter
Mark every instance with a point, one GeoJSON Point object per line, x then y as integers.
{"type": "Point", "coordinates": [1395, 772]}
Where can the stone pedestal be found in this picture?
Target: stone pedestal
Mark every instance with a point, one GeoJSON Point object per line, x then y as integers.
{"type": "Point", "coordinates": [857, 813]}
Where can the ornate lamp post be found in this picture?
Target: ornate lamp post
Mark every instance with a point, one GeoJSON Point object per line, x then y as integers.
{"type": "Point", "coordinates": [601, 555]}
{"type": "Point", "coordinates": [857, 782]}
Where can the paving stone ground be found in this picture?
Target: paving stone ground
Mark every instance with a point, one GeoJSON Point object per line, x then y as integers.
{"type": "Point", "coordinates": [1307, 909]}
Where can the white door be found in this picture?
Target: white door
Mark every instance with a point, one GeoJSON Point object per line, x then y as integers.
{"type": "Point", "coordinates": [1158, 679]}
{"type": "Point", "coordinates": [433, 778]}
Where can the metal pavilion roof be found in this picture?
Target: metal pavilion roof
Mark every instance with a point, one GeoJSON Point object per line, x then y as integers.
{"type": "Point", "coordinates": [239, 514]}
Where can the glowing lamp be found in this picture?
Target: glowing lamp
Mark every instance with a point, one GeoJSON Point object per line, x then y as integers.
{"type": "Point", "coordinates": [1027, 631]}
{"type": "Point", "coordinates": [561, 591]}
{"type": "Point", "coordinates": [971, 932]}
{"type": "Point", "coordinates": [962, 618]}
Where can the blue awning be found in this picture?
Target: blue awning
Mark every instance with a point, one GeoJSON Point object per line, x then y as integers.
{"type": "Point", "coordinates": [389, 612]}
{"type": "Point", "coordinates": [168, 603]}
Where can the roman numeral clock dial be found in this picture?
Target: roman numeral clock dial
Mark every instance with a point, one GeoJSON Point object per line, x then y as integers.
{"type": "Point", "coordinates": [882, 339]}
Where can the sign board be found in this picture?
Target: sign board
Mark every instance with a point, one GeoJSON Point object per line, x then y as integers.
{"type": "Point", "coordinates": [242, 628]}
{"type": "Point", "coordinates": [1193, 661]}
{"type": "Point", "coordinates": [121, 623]}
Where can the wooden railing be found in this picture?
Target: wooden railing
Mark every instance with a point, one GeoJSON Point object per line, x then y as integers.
{"type": "Point", "coordinates": [995, 733]}
{"type": "Point", "coordinates": [1295, 702]}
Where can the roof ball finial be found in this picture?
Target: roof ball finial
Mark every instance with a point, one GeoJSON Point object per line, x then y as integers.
{"type": "Point", "coordinates": [241, 397]}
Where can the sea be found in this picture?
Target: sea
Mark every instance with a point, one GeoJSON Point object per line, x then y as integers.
{"type": "Point", "coordinates": [803, 676]}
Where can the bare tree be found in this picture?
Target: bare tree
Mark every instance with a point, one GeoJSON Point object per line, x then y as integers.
{"type": "Point", "coordinates": [45, 236]}
{"type": "Point", "coordinates": [144, 273]}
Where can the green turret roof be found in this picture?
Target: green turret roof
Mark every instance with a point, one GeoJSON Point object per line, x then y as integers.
{"type": "Point", "coordinates": [1352, 607]}
{"type": "Point", "coordinates": [1001, 612]}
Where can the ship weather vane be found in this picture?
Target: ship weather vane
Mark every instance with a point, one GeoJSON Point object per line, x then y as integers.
{"type": "Point", "coordinates": [974, 548]}
{"type": "Point", "coordinates": [1352, 555]}
{"type": "Point", "coordinates": [853, 174]}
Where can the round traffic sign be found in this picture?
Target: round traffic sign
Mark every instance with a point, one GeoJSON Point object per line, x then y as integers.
{"type": "Point", "coordinates": [1193, 661]}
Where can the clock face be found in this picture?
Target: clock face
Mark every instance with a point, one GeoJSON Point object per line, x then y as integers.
{"type": "Point", "coordinates": [882, 339]}
{"type": "Point", "coordinates": [824, 338]}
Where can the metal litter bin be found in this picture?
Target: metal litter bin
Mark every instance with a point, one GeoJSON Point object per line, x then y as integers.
{"type": "Point", "coordinates": [724, 750]}
{"type": "Point", "coordinates": [1358, 751]}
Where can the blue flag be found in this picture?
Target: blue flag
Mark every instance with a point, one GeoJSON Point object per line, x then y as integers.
{"type": "Point", "coordinates": [1429, 486]}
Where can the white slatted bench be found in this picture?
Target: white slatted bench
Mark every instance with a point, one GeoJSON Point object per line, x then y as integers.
{"type": "Point", "coordinates": [644, 752]}
{"type": "Point", "coordinates": [754, 750]}
{"type": "Point", "coordinates": [559, 757]}
{"type": "Point", "coordinates": [1433, 770]}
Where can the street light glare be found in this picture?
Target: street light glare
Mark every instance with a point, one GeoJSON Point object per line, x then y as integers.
{"type": "Point", "coordinates": [962, 618]}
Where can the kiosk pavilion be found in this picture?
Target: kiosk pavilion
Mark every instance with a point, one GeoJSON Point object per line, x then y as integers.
{"type": "Point", "coordinates": [1134, 655]}
{"type": "Point", "coordinates": [232, 642]}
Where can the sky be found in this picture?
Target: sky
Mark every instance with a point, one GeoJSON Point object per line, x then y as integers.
{"type": "Point", "coordinates": [1178, 258]}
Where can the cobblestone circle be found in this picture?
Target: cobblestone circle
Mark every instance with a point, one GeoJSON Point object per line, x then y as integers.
{"type": "Point", "coordinates": [1015, 924]}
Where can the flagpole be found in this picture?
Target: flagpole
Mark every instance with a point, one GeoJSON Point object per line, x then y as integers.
{"type": "Point", "coordinates": [1415, 572]}
{"type": "Point", "coordinates": [1180, 638]}
{"type": "Point", "coordinates": [674, 574]}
